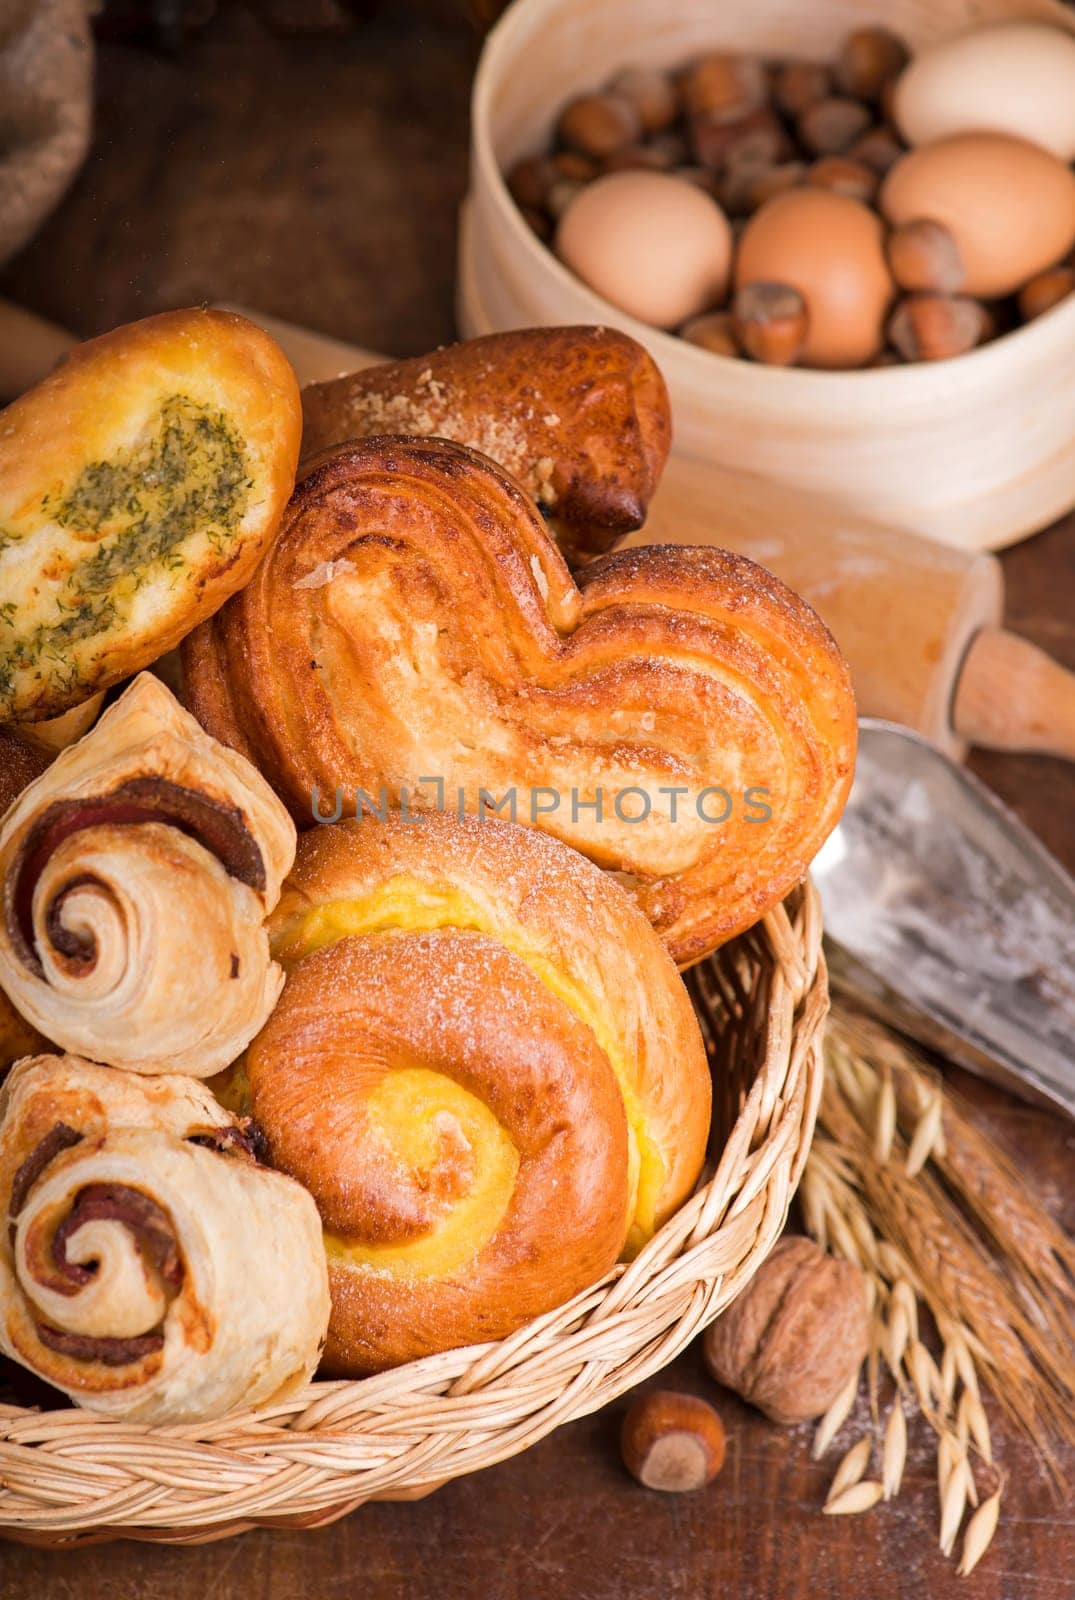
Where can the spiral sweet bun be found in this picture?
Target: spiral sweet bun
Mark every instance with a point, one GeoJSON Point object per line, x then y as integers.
{"type": "Point", "coordinates": [148, 1266]}
{"type": "Point", "coordinates": [578, 416]}
{"type": "Point", "coordinates": [681, 717]}
{"type": "Point", "coordinates": [485, 1069]}
{"type": "Point", "coordinates": [139, 485]}
{"type": "Point", "coordinates": [136, 873]}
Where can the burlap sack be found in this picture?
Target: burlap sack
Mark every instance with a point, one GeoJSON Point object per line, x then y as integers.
{"type": "Point", "coordinates": [46, 84]}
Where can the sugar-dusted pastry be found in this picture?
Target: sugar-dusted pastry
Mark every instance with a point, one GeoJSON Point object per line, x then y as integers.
{"type": "Point", "coordinates": [149, 1267]}
{"type": "Point", "coordinates": [136, 874]}
{"type": "Point", "coordinates": [414, 636]}
{"type": "Point", "coordinates": [485, 1069]}
{"type": "Point", "coordinates": [139, 485]}
{"type": "Point", "coordinates": [578, 416]}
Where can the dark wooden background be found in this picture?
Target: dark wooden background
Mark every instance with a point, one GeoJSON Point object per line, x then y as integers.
{"type": "Point", "coordinates": [319, 178]}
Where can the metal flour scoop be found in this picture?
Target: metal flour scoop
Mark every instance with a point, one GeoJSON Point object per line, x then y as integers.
{"type": "Point", "coordinates": [950, 920]}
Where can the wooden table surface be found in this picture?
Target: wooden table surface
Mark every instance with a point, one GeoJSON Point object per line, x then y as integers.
{"type": "Point", "coordinates": [319, 178]}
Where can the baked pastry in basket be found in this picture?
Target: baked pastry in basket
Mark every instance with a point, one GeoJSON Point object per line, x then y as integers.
{"type": "Point", "coordinates": [139, 485]}
{"type": "Point", "coordinates": [485, 1069]}
{"type": "Point", "coordinates": [149, 1267]}
{"type": "Point", "coordinates": [414, 636]}
{"type": "Point", "coordinates": [578, 416]}
{"type": "Point", "coordinates": [136, 873]}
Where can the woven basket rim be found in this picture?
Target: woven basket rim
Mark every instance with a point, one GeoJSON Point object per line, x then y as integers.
{"type": "Point", "coordinates": [69, 1476]}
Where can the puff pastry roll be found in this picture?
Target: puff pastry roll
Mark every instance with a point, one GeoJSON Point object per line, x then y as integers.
{"type": "Point", "coordinates": [136, 873]}
{"type": "Point", "coordinates": [578, 416]}
{"type": "Point", "coordinates": [415, 639]}
{"type": "Point", "coordinates": [139, 485]}
{"type": "Point", "coordinates": [485, 1069]}
{"type": "Point", "coordinates": [149, 1267]}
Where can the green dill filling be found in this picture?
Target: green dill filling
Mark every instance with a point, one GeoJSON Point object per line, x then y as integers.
{"type": "Point", "coordinates": [189, 477]}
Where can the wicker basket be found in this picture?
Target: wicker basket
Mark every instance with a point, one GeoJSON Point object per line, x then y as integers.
{"type": "Point", "coordinates": [68, 1477]}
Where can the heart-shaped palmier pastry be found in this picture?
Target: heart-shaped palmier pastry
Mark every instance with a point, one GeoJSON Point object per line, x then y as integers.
{"type": "Point", "coordinates": [414, 640]}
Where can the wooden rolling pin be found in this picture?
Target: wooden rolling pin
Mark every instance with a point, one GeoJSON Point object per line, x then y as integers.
{"type": "Point", "coordinates": [919, 622]}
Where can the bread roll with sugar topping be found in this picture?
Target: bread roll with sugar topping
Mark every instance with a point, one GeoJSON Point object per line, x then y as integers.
{"type": "Point", "coordinates": [485, 1069]}
{"type": "Point", "coordinates": [579, 417]}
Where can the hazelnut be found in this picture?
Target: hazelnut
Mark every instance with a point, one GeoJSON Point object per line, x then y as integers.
{"type": "Point", "coordinates": [829, 127]}
{"type": "Point", "coordinates": [724, 88]}
{"type": "Point", "coordinates": [671, 147]}
{"type": "Point", "coordinates": [635, 158]}
{"type": "Point", "coordinates": [771, 322]}
{"type": "Point", "coordinates": [597, 124]}
{"type": "Point", "coordinates": [713, 331]}
{"type": "Point", "coordinates": [758, 137]}
{"type": "Point", "coordinates": [795, 1335]}
{"type": "Point", "coordinates": [844, 176]}
{"type": "Point", "coordinates": [933, 327]}
{"type": "Point", "coordinates": [878, 148]}
{"type": "Point", "coordinates": [871, 59]}
{"type": "Point", "coordinates": [923, 256]}
{"type": "Point", "coordinates": [772, 181]}
{"type": "Point", "coordinates": [529, 181]}
{"type": "Point", "coordinates": [1045, 291]}
{"type": "Point", "coordinates": [653, 95]}
{"type": "Point", "coordinates": [800, 84]}
{"type": "Point", "coordinates": [579, 169]}
{"type": "Point", "coordinates": [673, 1442]}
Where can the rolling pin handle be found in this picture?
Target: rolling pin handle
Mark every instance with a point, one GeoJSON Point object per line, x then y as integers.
{"type": "Point", "coordinates": [1012, 696]}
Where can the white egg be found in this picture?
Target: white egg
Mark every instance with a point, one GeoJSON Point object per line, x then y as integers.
{"type": "Point", "coordinates": [655, 246]}
{"type": "Point", "coordinates": [1016, 78]}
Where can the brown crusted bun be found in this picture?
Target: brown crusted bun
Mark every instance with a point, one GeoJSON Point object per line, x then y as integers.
{"type": "Point", "coordinates": [485, 1069]}
{"type": "Point", "coordinates": [139, 485]}
{"type": "Point", "coordinates": [415, 635]}
{"type": "Point", "coordinates": [21, 762]}
{"type": "Point", "coordinates": [578, 416]}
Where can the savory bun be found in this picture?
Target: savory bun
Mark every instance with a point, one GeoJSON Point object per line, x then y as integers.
{"type": "Point", "coordinates": [414, 634]}
{"type": "Point", "coordinates": [136, 875]}
{"type": "Point", "coordinates": [485, 1069]}
{"type": "Point", "coordinates": [578, 416]}
{"type": "Point", "coordinates": [148, 1266]}
{"type": "Point", "coordinates": [139, 485]}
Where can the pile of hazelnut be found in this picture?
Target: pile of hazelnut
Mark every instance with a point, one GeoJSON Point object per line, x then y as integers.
{"type": "Point", "coordinates": [745, 131]}
{"type": "Point", "coordinates": [788, 1346]}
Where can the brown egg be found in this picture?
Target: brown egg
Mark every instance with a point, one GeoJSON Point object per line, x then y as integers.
{"type": "Point", "coordinates": [831, 249]}
{"type": "Point", "coordinates": [654, 245]}
{"type": "Point", "coordinates": [1009, 205]}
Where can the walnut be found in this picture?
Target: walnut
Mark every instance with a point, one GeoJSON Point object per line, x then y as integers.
{"type": "Point", "coordinates": [795, 1335]}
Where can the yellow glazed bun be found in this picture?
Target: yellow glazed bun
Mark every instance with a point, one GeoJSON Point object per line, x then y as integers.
{"type": "Point", "coordinates": [139, 485]}
{"type": "Point", "coordinates": [485, 1069]}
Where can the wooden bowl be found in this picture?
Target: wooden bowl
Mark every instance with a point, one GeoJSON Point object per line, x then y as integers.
{"type": "Point", "coordinates": [977, 451]}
